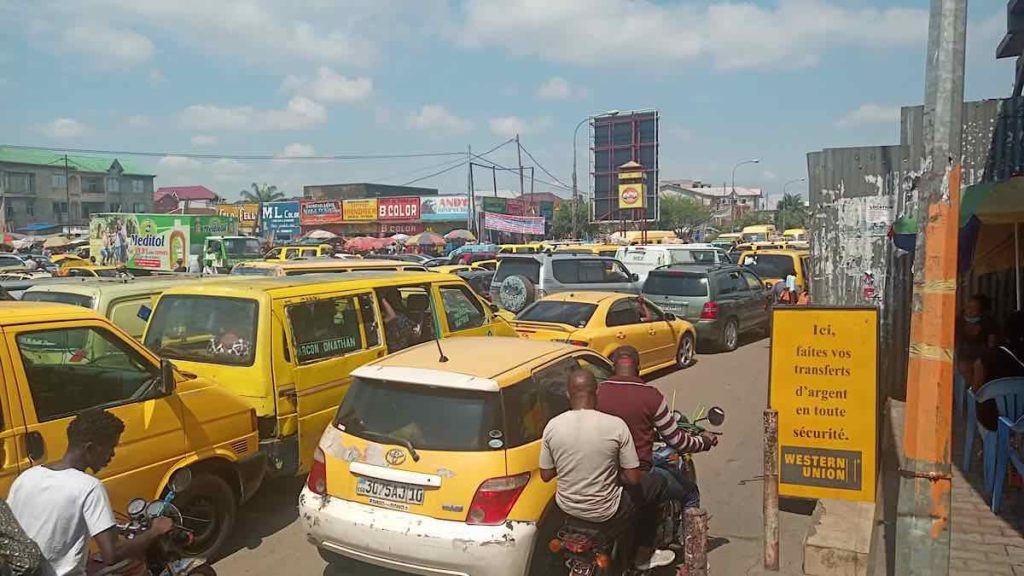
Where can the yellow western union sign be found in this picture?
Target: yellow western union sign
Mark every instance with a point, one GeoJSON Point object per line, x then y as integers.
{"type": "Point", "coordinates": [824, 376]}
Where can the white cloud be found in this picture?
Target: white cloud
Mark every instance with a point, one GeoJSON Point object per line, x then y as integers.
{"type": "Point", "coordinates": [108, 47]}
{"type": "Point", "coordinates": [178, 163]}
{"type": "Point", "coordinates": [63, 128]}
{"type": "Point", "coordinates": [558, 88]}
{"type": "Point", "coordinates": [509, 126]}
{"type": "Point", "coordinates": [204, 140]}
{"type": "Point", "coordinates": [300, 113]}
{"type": "Point", "coordinates": [438, 118]}
{"type": "Point", "coordinates": [330, 87]}
{"type": "Point", "coordinates": [297, 150]}
{"type": "Point", "coordinates": [739, 35]}
{"type": "Point", "coordinates": [139, 121]}
{"type": "Point", "coordinates": [869, 113]}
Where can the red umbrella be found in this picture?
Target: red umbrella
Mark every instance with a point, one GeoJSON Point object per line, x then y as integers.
{"type": "Point", "coordinates": [362, 244]}
{"type": "Point", "coordinates": [426, 239]}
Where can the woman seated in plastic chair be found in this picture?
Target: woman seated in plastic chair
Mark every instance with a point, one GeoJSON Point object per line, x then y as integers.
{"type": "Point", "coordinates": [1002, 361]}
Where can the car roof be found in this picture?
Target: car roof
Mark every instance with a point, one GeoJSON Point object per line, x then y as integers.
{"type": "Point", "coordinates": [324, 262]}
{"type": "Point", "coordinates": [695, 267]}
{"type": "Point", "coordinates": [241, 286]}
{"type": "Point", "coordinates": [778, 252]}
{"type": "Point", "coordinates": [584, 297]}
{"type": "Point", "coordinates": [114, 287]}
{"type": "Point", "coordinates": [12, 313]}
{"type": "Point", "coordinates": [481, 357]}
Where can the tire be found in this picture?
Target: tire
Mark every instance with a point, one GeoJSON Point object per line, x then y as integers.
{"type": "Point", "coordinates": [211, 504]}
{"type": "Point", "coordinates": [687, 349]}
{"type": "Point", "coordinates": [516, 293]}
{"type": "Point", "coordinates": [204, 570]}
{"type": "Point", "coordinates": [730, 336]}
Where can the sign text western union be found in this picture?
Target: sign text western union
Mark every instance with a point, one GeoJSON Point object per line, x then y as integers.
{"type": "Point", "coordinates": [824, 370]}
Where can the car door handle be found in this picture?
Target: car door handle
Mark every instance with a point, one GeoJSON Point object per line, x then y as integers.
{"type": "Point", "coordinates": [35, 447]}
{"type": "Point", "coordinates": [620, 335]}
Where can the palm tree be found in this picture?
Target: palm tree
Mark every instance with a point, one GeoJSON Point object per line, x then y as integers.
{"type": "Point", "coordinates": [791, 211]}
{"type": "Point", "coordinates": [264, 193]}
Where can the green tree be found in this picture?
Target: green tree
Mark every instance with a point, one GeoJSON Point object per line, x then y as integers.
{"type": "Point", "coordinates": [264, 193]}
{"type": "Point", "coordinates": [561, 225]}
{"type": "Point", "coordinates": [681, 212]}
{"type": "Point", "coordinates": [791, 212]}
{"type": "Point", "coordinates": [753, 219]}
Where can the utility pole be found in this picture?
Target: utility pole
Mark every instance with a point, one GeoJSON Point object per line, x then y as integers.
{"type": "Point", "coordinates": [522, 183]}
{"type": "Point", "coordinates": [923, 510]}
{"type": "Point", "coordinates": [67, 195]}
{"type": "Point", "coordinates": [471, 217]}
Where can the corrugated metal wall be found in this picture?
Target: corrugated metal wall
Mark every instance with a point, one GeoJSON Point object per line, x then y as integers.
{"type": "Point", "coordinates": [857, 193]}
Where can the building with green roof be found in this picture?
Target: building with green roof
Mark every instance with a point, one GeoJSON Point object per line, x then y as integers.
{"type": "Point", "coordinates": [36, 187]}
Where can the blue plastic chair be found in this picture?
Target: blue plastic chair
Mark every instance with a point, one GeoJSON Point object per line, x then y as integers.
{"type": "Point", "coordinates": [959, 393]}
{"type": "Point", "coordinates": [1008, 394]}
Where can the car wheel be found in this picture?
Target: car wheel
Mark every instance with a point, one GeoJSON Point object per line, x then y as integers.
{"type": "Point", "coordinates": [209, 510]}
{"type": "Point", "coordinates": [730, 335]}
{"type": "Point", "coordinates": [684, 357]}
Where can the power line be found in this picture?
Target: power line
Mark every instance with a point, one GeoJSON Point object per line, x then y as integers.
{"type": "Point", "coordinates": [541, 166]}
{"type": "Point", "coordinates": [227, 156]}
{"type": "Point", "coordinates": [459, 165]}
{"type": "Point", "coordinates": [552, 184]}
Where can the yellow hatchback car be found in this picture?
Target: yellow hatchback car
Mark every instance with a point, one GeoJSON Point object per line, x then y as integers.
{"type": "Point", "coordinates": [431, 463]}
{"type": "Point", "coordinates": [603, 321]}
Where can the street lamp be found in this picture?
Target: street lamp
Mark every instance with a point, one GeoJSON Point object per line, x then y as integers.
{"type": "Point", "coordinates": [738, 164]}
{"type": "Point", "coordinates": [782, 215]}
{"type": "Point", "coordinates": [575, 189]}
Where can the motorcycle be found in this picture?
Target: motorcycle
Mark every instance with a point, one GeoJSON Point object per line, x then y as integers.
{"type": "Point", "coordinates": [588, 550]}
{"type": "Point", "coordinates": [164, 557]}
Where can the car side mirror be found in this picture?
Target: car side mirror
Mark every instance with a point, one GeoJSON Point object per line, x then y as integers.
{"type": "Point", "coordinates": [670, 316]}
{"type": "Point", "coordinates": [634, 277]}
{"type": "Point", "coordinates": [494, 307]}
{"type": "Point", "coordinates": [167, 382]}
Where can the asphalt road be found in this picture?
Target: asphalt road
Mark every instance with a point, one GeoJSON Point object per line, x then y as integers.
{"type": "Point", "coordinates": [270, 540]}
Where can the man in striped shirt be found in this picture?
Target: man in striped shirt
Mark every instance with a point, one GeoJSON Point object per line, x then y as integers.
{"type": "Point", "coordinates": [644, 410]}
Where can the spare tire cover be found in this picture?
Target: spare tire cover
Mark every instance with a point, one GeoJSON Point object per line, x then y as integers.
{"type": "Point", "coordinates": [516, 293]}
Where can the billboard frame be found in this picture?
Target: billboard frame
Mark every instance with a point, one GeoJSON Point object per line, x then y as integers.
{"type": "Point", "coordinates": [633, 117]}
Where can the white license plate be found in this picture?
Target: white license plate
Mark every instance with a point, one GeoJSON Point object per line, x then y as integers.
{"type": "Point", "coordinates": [393, 491]}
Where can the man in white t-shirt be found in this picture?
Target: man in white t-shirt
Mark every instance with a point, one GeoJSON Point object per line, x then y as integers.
{"type": "Point", "coordinates": [587, 450]}
{"type": "Point", "coordinates": [61, 507]}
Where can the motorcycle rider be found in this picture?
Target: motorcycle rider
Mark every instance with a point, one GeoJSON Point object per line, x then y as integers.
{"type": "Point", "coordinates": [589, 451]}
{"type": "Point", "coordinates": [61, 507]}
{"type": "Point", "coordinates": [644, 410]}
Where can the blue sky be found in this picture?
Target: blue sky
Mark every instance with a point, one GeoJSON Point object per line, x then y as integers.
{"type": "Point", "coordinates": [768, 79]}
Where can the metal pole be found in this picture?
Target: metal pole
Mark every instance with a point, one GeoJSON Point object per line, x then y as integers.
{"type": "Point", "coordinates": [923, 509]}
{"type": "Point", "coordinates": [67, 195]}
{"type": "Point", "coordinates": [575, 187]}
{"type": "Point", "coordinates": [771, 490]}
{"type": "Point", "coordinates": [695, 546]}
{"type": "Point", "coordinates": [471, 217]}
{"type": "Point", "coordinates": [1016, 259]}
{"type": "Point", "coordinates": [522, 183]}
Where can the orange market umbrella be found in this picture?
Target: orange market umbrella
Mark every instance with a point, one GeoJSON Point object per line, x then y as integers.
{"type": "Point", "coordinates": [362, 244]}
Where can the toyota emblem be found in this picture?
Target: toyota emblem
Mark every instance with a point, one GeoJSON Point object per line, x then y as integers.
{"type": "Point", "coordinates": [395, 457]}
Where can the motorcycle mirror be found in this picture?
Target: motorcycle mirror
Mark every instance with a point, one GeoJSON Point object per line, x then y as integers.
{"type": "Point", "coordinates": [181, 479]}
{"type": "Point", "coordinates": [136, 507]}
{"type": "Point", "coordinates": [716, 416]}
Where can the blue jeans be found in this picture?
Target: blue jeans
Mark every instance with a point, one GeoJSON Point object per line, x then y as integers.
{"type": "Point", "coordinates": [677, 487]}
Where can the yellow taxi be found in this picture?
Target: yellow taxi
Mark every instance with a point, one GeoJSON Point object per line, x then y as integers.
{"type": "Point", "coordinates": [430, 465]}
{"type": "Point", "coordinates": [603, 321]}
{"type": "Point", "coordinates": [60, 360]}
{"type": "Point", "coordinates": [319, 266]}
{"type": "Point", "coordinates": [592, 249]}
{"type": "Point", "coordinates": [453, 268]}
{"type": "Point", "coordinates": [491, 265]}
{"type": "Point", "coordinates": [774, 265]}
{"type": "Point", "coordinates": [288, 345]}
{"type": "Point", "coordinates": [284, 253]}
{"type": "Point", "coordinates": [531, 248]}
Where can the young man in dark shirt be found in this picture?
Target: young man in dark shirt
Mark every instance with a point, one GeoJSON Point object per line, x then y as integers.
{"type": "Point", "coordinates": [1005, 361]}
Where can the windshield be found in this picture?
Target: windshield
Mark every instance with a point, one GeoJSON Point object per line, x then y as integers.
{"type": "Point", "coordinates": [240, 270]}
{"type": "Point", "coordinates": [59, 297]}
{"type": "Point", "coordinates": [770, 265]}
{"type": "Point", "coordinates": [243, 247]}
{"type": "Point", "coordinates": [676, 284]}
{"type": "Point", "coordinates": [517, 267]}
{"type": "Point", "coordinates": [430, 417]}
{"type": "Point", "coordinates": [572, 313]}
{"type": "Point", "coordinates": [209, 329]}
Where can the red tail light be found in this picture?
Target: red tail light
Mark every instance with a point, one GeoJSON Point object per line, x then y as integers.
{"type": "Point", "coordinates": [317, 479]}
{"type": "Point", "coordinates": [494, 499]}
{"type": "Point", "coordinates": [710, 311]}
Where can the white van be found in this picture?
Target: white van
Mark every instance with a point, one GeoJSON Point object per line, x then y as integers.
{"type": "Point", "coordinates": [640, 260]}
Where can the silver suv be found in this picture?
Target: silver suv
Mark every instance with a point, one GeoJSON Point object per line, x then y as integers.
{"type": "Point", "coordinates": [522, 279]}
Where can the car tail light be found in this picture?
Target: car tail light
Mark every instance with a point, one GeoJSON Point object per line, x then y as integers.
{"type": "Point", "coordinates": [710, 311]}
{"type": "Point", "coordinates": [494, 499]}
{"type": "Point", "coordinates": [603, 561]}
{"type": "Point", "coordinates": [582, 343]}
{"type": "Point", "coordinates": [317, 480]}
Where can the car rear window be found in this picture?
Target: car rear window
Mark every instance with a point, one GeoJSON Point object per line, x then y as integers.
{"type": "Point", "coordinates": [770, 265]}
{"type": "Point", "coordinates": [581, 271]}
{"type": "Point", "coordinates": [572, 313]}
{"type": "Point", "coordinates": [518, 267]}
{"type": "Point", "coordinates": [58, 297]}
{"type": "Point", "coordinates": [676, 284]}
{"type": "Point", "coordinates": [429, 417]}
